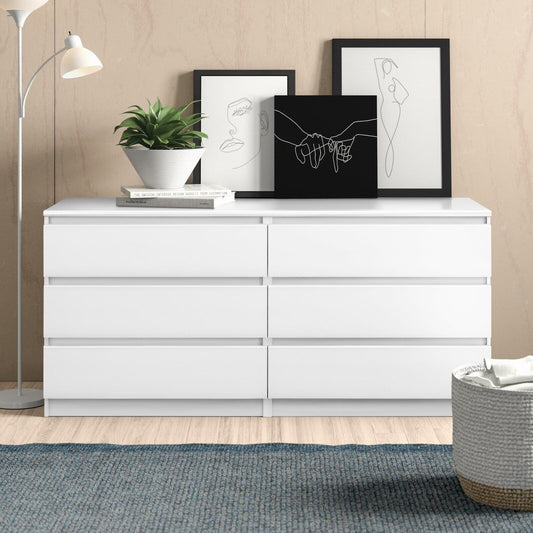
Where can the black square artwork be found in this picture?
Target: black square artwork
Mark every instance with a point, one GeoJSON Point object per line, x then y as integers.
{"type": "Point", "coordinates": [325, 146]}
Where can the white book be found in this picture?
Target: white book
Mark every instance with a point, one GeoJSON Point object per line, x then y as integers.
{"type": "Point", "coordinates": [199, 202]}
{"type": "Point", "coordinates": [188, 190]}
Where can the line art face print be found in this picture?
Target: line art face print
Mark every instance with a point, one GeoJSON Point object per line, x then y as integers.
{"type": "Point", "coordinates": [393, 96]}
{"type": "Point", "coordinates": [247, 126]}
{"type": "Point", "coordinates": [311, 148]}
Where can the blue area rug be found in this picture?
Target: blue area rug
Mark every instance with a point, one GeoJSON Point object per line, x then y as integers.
{"type": "Point", "coordinates": [258, 488]}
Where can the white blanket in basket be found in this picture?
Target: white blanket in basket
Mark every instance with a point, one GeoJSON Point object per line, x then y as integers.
{"type": "Point", "coordinates": [509, 374]}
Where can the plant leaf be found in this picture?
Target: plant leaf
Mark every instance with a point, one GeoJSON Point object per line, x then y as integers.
{"type": "Point", "coordinates": [131, 122]}
{"type": "Point", "coordinates": [157, 107]}
{"type": "Point", "coordinates": [181, 109]}
{"type": "Point", "coordinates": [141, 115]}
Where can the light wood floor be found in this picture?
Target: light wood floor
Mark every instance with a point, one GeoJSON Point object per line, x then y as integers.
{"type": "Point", "coordinates": [22, 427]}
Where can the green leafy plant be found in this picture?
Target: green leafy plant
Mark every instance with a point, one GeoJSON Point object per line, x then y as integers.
{"type": "Point", "coordinates": [160, 128]}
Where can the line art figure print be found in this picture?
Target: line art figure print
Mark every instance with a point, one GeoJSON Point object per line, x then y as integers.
{"type": "Point", "coordinates": [239, 110]}
{"type": "Point", "coordinates": [325, 146]}
{"type": "Point", "coordinates": [393, 96]}
{"type": "Point", "coordinates": [312, 147]}
{"type": "Point", "coordinates": [247, 126]}
{"type": "Point", "coordinates": [411, 80]}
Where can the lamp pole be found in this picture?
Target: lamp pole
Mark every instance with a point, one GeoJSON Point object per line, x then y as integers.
{"type": "Point", "coordinates": [81, 62]}
{"type": "Point", "coordinates": [19, 221]}
{"type": "Point", "coordinates": [20, 398]}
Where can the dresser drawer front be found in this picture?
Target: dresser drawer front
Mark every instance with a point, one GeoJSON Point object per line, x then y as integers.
{"type": "Point", "coordinates": [406, 311]}
{"type": "Point", "coordinates": [155, 250]}
{"type": "Point", "coordinates": [154, 311]}
{"type": "Point", "coordinates": [384, 372]}
{"type": "Point", "coordinates": [169, 372]}
{"type": "Point", "coordinates": [384, 250]}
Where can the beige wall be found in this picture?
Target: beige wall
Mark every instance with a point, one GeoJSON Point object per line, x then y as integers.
{"type": "Point", "coordinates": [150, 47]}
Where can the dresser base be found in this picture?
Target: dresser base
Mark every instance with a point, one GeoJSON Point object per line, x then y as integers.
{"type": "Point", "coordinates": [247, 408]}
{"type": "Point", "coordinates": [281, 303]}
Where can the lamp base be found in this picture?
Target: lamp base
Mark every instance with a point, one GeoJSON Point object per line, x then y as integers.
{"type": "Point", "coordinates": [30, 398]}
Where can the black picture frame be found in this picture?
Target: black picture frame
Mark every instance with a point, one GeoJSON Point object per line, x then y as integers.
{"type": "Point", "coordinates": [325, 146]}
{"type": "Point", "coordinates": [290, 75]}
{"type": "Point", "coordinates": [444, 46]}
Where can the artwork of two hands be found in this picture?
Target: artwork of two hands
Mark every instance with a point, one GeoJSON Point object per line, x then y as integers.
{"type": "Point", "coordinates": [326, 146]}
{"type": "Point", "coordinates": [311, 148]}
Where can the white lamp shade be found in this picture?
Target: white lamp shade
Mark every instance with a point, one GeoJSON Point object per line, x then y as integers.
{"type": "Point", "coordinates": [78, 62]}
{"type": "Point", "coordinates": [21, 5]}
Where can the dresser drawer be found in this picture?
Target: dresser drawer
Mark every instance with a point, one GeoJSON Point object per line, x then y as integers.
{"type": "Point", "coordinates": [379, 250]}
{"type": "Point", "coordinates": [154, 311]}
{"type": "Point", "coordinates": [170, 372]}
{"type": "Point", "coordinates": [384, 372]}
{"type": "Point", "coordinates": [155, 250]}
{"type": "Point", "coordinates": [405, 311]}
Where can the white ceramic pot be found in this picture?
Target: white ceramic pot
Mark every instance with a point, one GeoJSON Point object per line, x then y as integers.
{"type": "Point", "coordinates": [164, 169]}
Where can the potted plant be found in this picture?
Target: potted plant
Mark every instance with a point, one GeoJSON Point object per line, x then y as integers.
{"type": "Point", "coordinates": [161, 145]}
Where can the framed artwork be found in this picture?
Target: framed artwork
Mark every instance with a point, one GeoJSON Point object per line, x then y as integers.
{"type": "Point", "coordinates": [411, 79]}
{"type": "Point", "coordinates": [239, 105]}
{"type": "Point", "coordinates": [326, 146]}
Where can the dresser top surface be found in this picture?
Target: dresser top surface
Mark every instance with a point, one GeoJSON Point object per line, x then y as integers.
{"type": "Point", "coordinates": [266, 207]}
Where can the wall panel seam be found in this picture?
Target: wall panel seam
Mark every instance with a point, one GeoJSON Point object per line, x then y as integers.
{"type": "Point", "coordinates": [425, 19]}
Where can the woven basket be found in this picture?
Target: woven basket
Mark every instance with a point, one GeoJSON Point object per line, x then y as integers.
{"type": "Point", "coordinates": [493, 443]}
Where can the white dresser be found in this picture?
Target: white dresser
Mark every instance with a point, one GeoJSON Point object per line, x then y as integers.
{"type": "Point", "coordinates": [263, 307]}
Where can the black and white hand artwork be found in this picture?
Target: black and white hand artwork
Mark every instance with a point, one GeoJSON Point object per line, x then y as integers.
{"type": "Point", "coordinates": [311, 148]}
{"type": "Point", "coordinates": [314, 148]}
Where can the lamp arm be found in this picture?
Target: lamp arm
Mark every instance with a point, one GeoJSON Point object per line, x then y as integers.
{"type": "Point", "coordinates": [22, 103]}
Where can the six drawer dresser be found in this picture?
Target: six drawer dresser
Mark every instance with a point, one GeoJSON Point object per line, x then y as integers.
{"type": "Point", "coordinates": [263, 307]}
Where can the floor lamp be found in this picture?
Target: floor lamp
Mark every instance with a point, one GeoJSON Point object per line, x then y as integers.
{"type": "Point", "coordinates": [76, 62]}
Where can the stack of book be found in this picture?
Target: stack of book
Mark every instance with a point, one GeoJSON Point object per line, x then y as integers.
{"type": "Point", "coordinates": [193, 196]}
